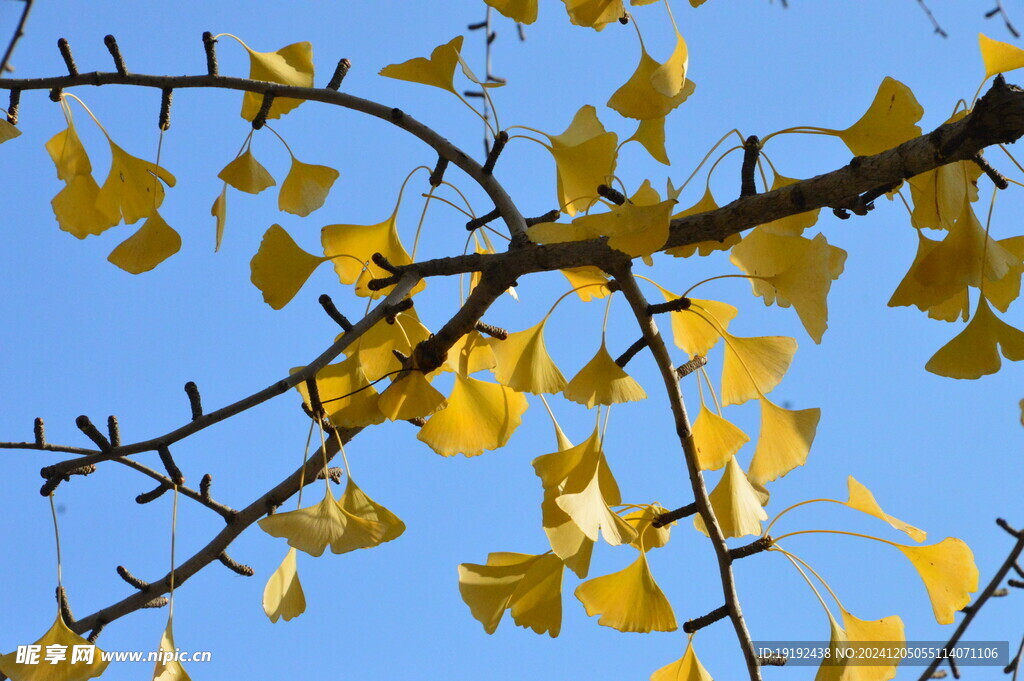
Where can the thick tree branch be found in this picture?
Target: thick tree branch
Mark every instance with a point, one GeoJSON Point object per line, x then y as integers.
{"type": "Point", "coordinates": [656, 343]}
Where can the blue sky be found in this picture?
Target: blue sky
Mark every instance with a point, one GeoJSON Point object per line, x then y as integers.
{"type": "Point", "coordinates": [82, 337]}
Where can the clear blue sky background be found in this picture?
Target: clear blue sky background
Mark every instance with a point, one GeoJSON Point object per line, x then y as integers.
{"type": "Point", "coordinates": [82, 337]}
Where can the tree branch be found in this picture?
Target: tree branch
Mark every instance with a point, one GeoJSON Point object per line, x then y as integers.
{"type": "Point", "coordinates": [656, 343]}
{"type": "Point", "coordinates": [974, 608]}
{"type": "Point", "coordinates": [5, 63]}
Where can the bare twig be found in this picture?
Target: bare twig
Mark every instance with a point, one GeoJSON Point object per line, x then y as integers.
{"type": "Point", "coordinates": [931, 17]}
{"type": "Point", "coordinates": [656, 343]}
{"type": "Point", "coordinates": [19, 31]}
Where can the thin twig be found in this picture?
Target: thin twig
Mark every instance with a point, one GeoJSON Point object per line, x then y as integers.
{"type": "Point", "coordinates": [19, 31]}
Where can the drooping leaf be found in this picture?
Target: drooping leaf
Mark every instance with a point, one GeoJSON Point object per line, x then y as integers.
{"type": "Point", "coordinates": [647, 535]}
{"type": "Point", "coordinates": [602, 381]}
{"type": "Point", "coordinates": [246, 174]}
{"type": "Point", "coordinates": [784, 442]}
{"type": "Point", "coordinates": [528, 585]}
{"type": "Point", "coordinates": [594, 14]}
{"type": "Point", "coordinates": [717, 439]}
{"type": "Point", "coordinates": [168, 667]}
{"type": "Point", "coordinates": [348, 396]}
{"type": "Point", "coordinates": [305, 188]}
{"type": "Point", "coordinates": [524, 364]}
{"type": "Point", "coordinates": [628, 600]}
{"type": "Point", "coordinates": [7, 131]}
{"type": "Point", "coordinates": [754, 366]}
{"type": "Point", "coordinates": [76, 211]}
{"type": "Point", "coordinates": [650, 133]}
{"type": "Point", "coordinates": [639, 98]}
{"type": "Point", "coordinates": [153, 243]}
{"type": "Point", "coordinates": [410, 396]}
{"type": "Point", "coordinates": [283, 595]}
{"type": "Point", "coordinates": [949, 574]}
{"type": "Point", "coordinates": [280, 267]}
{"type": "Point", "coordinates": [313, 528]}
{"type": "Point", "coordinates": [219, 210]}
{"type": "Point", "coordinates": [736, 504]}
{"type": "Point", "coordinates": [688, 667]}
{"type": "Point", "coordinates": [479, 416]}
{"type": "Point", "coordinates": [65, 670]}
{"type": "Point", "coordinates": [520, 11]}
{"type": "Point", "coordinates": [696, 330]}
{"type": "Point", "coordinates": [355, 503]}
{"type": "Point", "coordinates": [974, 352]}
{"type": "Point", "coordinates": [133, 187]}
{"type": "Point", "coordinates": [873, 633]}
{"type": "Point", "coordinates": [590, 277]}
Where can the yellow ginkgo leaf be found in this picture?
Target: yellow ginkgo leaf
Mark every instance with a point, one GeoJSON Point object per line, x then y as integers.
{"type": "Point", "coordinates": [520, 11]}
{"type": "Point", "coordinates": [290, 65]}
{"type": "Point", "coordinates": [479, 416]}
{"type": "Point", "coordinates": [168, 667]}
{"type": "Point", "coordinates": [888, 122]}
{"type": "Point", "coordinates": [219, 210]}
{"type": "Point", "coordinates": [754, 366]}
{"type": "Point", "coordinates": [638, 227]}
{"type": "Point", "coordinates": [939, 194]}
{"type": "Point", "coordinates": [717, 439]}
{"type": "Point", "coordinates": [558, 232]}
{"type": "Point", "coordinates": [524, 364]}
{"type": "Point", "coordinates": [965, 256]}
{"type": "Point", "coordinates": [351, 248]}
{"type": "Point", "coordinates": [438, 71]}
{"type": "Point", "coordinates": [639, 98]}
{"type": "Point", "coordinates": [999, 57]}
{"type": "Point", "coordinates": [974, 352]}
{"type": "Point", "coordinates": [246, 174]}
{"type": "Point", "coordinates": [280, 267]}
{"type": "Point", "coordinates": [1001, 292]}
{"type": "Point", "coordinates": [7, 131]}
{"type": "Point", "coordinates": [647, 535]}
{"type": "Point", "coordinates": [537, 601]}
{"type": "Point", "coordinates": [283, 596]}
{"type": "Point", "coordinates": [669, 78]}
{"type": "Point", "coordinates": [305, 188]}
{"type": "Point", "coordinates": [584, 500]}
{"type": "Point", "coordinates": [948, 572]}
{"type": "Point", "coordinates": [651, 135]}
{"type": "Point", "coordinates": [785, 440]}
{"type": "Point", "coordinates": [132, 188]}
{"type": "Point", "coordinates": [686, 668]}
{"type": "Point", "coordinates": [76, 210]}
{"type": "Point", "coordinates": [707, 203]}
{"type": "Point", "coordinates": [553, 469]}
{"type": "Point", "coordinates": [153, 243]}
{"type": "Point", "coordinates": [594, 14]}
{"type": "Point", "coordinates": [376, 348]}
{"type": "Point", "coordinates": [834, 663]}
{"type": "Point", "coordinates": [792, 270]}
{"type": "Point", "coordinates": [355, 503]}
{"type": "Point", "coordinates": [863, 500]}
{"type": "Point", "coordinates": [793, 225]}
{"type": "Point", "coordinates": [529, 585]}
{"type": "Point", "coordinates": [68, 154]}
{"type": "Point", "coordinates": [567, 540]}
{"type": "Point", "coordinates": [588, 280]}
{"type": "Point", "coordinates": [874, 632]}
{"type": "Point", "coordinates": [929, 297]}
{"type": "Point", "coordinates": [348, 396]}
{"type": "Point", "coordinates": [70, 668]}
{"type": "Point", "coordinates": [410, 396]}
{"type": "Point", "coordinates": [696, 330]}
{"type": "Point", "coordinates": [314, 528]}
{"type": "Point", "coordinates": [628, 600]}
{"type": "Point", "coordinates": [602, 381]}
{"type": "Point", "coordinates": [736, 503]}
{"type": "Point", "coordinates": [585, 157]}
{"type": "Point", "coordinates": [471, 353]}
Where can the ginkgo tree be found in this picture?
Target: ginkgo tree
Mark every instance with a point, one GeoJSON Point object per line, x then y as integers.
{"type": "Point", "coordinates": [466, 380]}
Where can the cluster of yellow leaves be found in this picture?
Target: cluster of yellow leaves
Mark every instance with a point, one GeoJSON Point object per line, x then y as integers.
{"type": "Point", "coordinates": [132, 192]}
{"type": "Point", "coordinates": [355, 521]}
